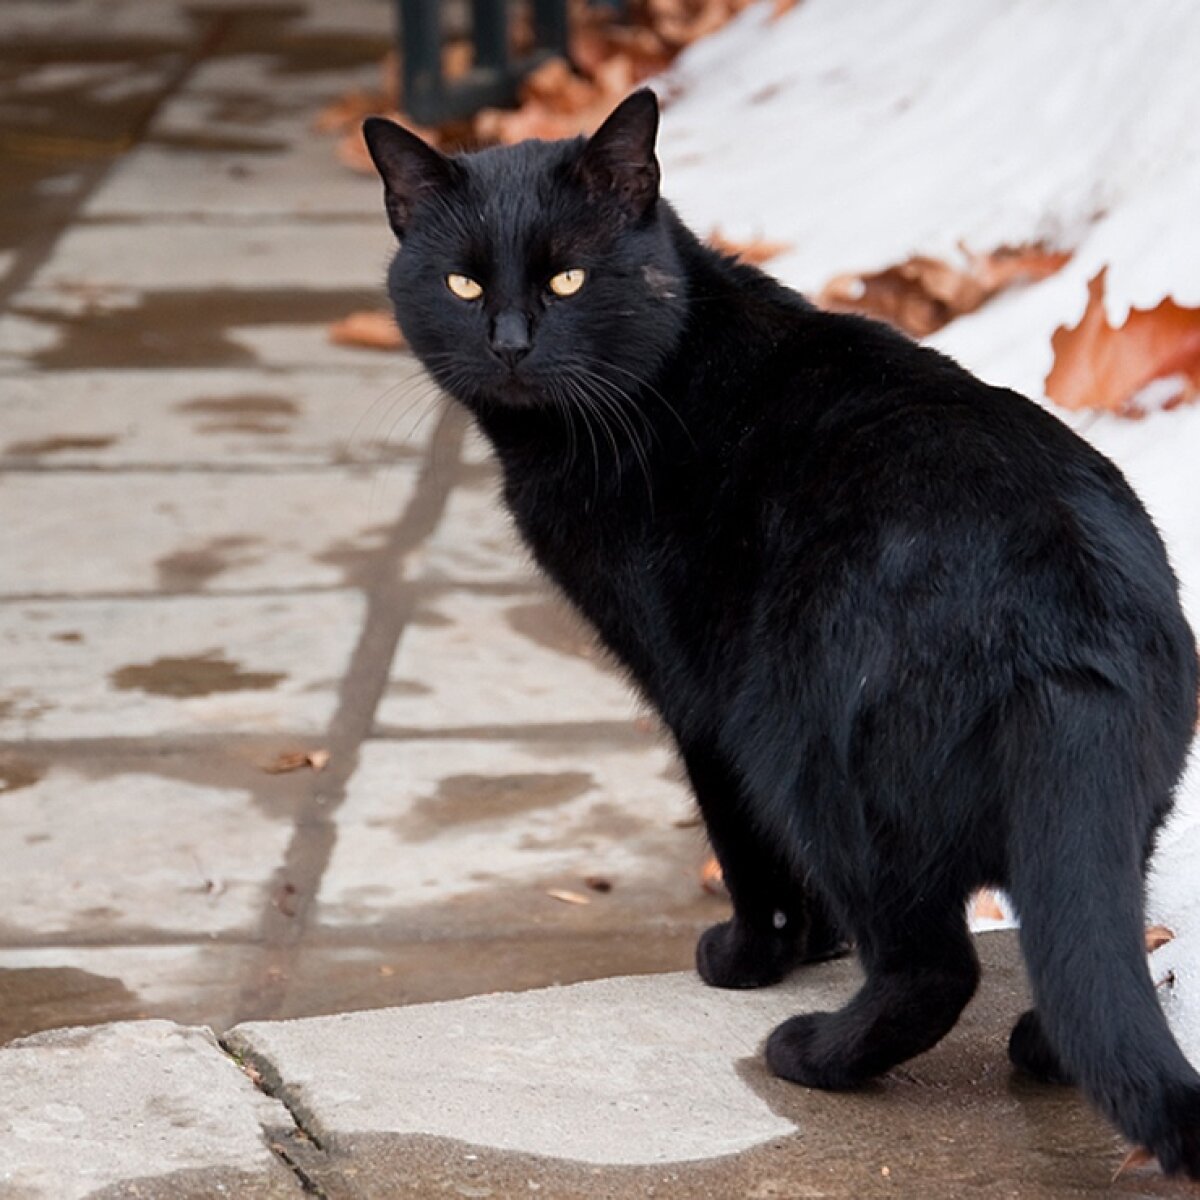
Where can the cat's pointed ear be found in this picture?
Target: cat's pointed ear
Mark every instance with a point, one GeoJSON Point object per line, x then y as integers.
{"type": "Point", "coordinates": [409, 168]}
{"type": "Point", "coordinates": [618, 159]}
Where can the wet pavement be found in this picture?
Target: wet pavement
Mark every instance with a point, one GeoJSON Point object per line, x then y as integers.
{"type": "Point", "coordinates": [227, 540]}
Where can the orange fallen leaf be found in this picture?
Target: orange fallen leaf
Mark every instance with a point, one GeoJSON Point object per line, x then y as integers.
{"type": "Point", "coordinates": [294, 761]}
{"type": "Point", "coordinates": [568, 897]}
{"type": "Point", "coordinates": [1158, 935]}
{"type": "Point", "coordinates": [372, 330]}
{"type": "Point", "coordinates": [756, 251]}
{"type": "Point", "coordinates": [712, 879]}
{"type": "Point", "coordinates": [1107, 367]}
{"type": "Point", "coordinates": [923, 294]}
{"type": "Point", "coordinates": [1139, 1156]}
{"type": "Point", "coordinates": [780, 7]}
{"type": "Point", "coordinates": [986, 906]}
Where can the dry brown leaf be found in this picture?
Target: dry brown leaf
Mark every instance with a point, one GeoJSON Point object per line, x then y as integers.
{"type": "Point", "coordinates": [374, 330]}
{"type": "Point", "coordinates": [1139, 1156]}
{"type": "Point", "coordinates": [346, 111]}
{"type": "Point", "coordinates": [296, 760]}
{"type": "Point", "coordinates": [568, 897]}
{"type": "Point", "coordinates": [756, 251]}
{"type": "Point", "coordinates": [923, 294]}
{"type": "Point", "coordinates": [780, 7]}
{"type": "Point", "coordinates": [712, 879]}
{"type": "Point", "coordinates": [986, 906]}
{"type": "Point", "coordinates": [1106, 367]}
{"type": "Point", "coordinates": [351, 149]}
{"type": "Point", "coordinates": [1158, 935]}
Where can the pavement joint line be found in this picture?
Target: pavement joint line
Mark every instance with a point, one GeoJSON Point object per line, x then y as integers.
{"type": "Point", "coordinates": [30, 257]}
{"type": "Point", "coordinates": [391, 602]}
{"type": "Point", "coordinates": [349, 467]}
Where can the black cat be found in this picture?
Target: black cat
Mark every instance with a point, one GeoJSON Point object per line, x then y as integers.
{"type": "Point", "coordinates": [912, 635]}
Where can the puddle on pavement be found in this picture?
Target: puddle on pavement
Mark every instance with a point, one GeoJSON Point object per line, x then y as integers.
{"type": "Point", "coordinates": [57, 445]}
{"type": "Point", "coordinates": [190, 570]}
{"type": "Point", "coordinates": [187, 328]}
{"type": "Point", "coordinates": [556, 628]}
{"type": "Point", "coordinates": [199, 675]}
{"type": "Point", "coordinates": [37, 998]}
{"type": "Point", "coordinates": [250, 412]}
{"type": "Point", "coordinates": [466, 799]}
{"type": "Point", "coordinates": [17, 772]}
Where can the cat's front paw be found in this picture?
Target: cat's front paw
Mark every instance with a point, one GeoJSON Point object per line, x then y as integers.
{"type": "Point", "coordinates": [807, 1050]}
{"type": "Point", "coordinates": [730, 955]}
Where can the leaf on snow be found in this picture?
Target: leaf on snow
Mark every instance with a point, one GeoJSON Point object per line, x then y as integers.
{"type": "Point", "coordinates": [756, 251]}
{"type": "Point", "coordinates": [923, 294]}
{"type": "Point", "coordinates": [986, 907]}
{"type": "Point", "coordinates": [375, 330]}
{"type": "Point", "coordinates": [712, 879]}
{"type": "Point", "coordinates": [1111, 367]}
{"type": "Point", "coordinates": [1156, 936]}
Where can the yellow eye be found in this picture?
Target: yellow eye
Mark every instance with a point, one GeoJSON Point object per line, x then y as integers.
{"type": "Point", "coordinates": [464, 287]}
{"type": "Point", "coordinates": [567, 283]}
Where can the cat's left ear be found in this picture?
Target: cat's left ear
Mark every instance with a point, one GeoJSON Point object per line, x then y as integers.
{"type": "Point", "coordinates": [409, 168]}
{"type": "Point", "coordinates": [618, 159]}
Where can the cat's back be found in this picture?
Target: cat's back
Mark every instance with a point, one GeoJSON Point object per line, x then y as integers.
{"type": "Point", "coordinates": [890, 479]}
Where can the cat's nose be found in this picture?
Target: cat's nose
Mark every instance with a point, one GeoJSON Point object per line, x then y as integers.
{"type": "Point", "coordinates": [510, 337]}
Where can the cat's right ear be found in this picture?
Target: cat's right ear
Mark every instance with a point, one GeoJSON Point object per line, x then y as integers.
{"type": "Point", "coordinates": [409, 168]}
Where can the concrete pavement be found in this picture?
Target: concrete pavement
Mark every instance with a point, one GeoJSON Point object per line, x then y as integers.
{"type": "Point", "coordinates": [226, 541]}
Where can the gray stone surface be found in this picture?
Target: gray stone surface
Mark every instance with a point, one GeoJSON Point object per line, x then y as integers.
{"type": "Point", "coordinates": [90, 1109]}
{"type": "Point", "coordinates": [131, 853]}
{"type": "Point", "coordinates": [634, 1070]}
{"type": "Point", "coordinates": [215, 418]}
{"type": "Point", "coordinates": [101, 268]}
{"type": "Point", "coordinates": [432, 834]}
{"type": "Point", "coordinates": [175, 664]}
{"type": "Point", "coordinates": [471, 659]}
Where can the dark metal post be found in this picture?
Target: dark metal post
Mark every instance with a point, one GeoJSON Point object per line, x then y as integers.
{"type": "Point", "coordinates": [489, 25]}
{"type": "Point", "coordinates": [421, 55]}
{"type": "Point", "coordinates": [550, 25]}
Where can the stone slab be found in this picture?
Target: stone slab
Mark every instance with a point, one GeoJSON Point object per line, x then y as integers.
{"type": "Point", "coordinates": [458, 835]}
{"type": "Point", "coordinates": [616, 1071]}
{"type": "Point", "coordinates": [134, 852]}
{"type": "Point", "coordinates": [87, 1110]}
{"type": "Point", "coordinates": [103, 267]}
{"type": "Point", "coordinates": [95, 533]}
{"type": "Point", "coordinates": [174, 665]}
{"type": "Point", "coordinates": [50, 987]}
{"type": "Point", "coordinates": [240, 142]}
{"type": "Point", "coordinates": [474, 542]}
{"type": "Point", "coordinates": [470, 659]}
{"type": "Point", "coordinates": [215, 418]}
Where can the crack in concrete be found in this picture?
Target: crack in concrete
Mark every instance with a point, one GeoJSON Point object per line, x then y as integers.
{"type": "Point", "coordinates": [268, 1081]}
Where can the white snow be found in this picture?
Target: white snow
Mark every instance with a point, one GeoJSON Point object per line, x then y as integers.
{"type": "Point", "coordinates": [862, 133]}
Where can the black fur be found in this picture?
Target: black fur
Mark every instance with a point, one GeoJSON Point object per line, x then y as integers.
{"type": "Point", "coordinates": [911, 634]}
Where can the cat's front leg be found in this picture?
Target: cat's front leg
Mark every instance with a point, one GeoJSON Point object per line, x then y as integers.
{"type": "Point", "coordinates": [777, 922]}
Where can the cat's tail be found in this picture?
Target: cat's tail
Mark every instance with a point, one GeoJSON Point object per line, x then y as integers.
{"type": "Point", "coordinates": [1079, 834]}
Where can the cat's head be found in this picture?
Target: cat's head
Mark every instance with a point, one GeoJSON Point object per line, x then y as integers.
{"type": "Point", "coordinates": [538, 273]}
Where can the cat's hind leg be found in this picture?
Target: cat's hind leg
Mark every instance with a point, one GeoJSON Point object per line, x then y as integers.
{"type": "Point", "coordinates": [777, 922]}
{"type": "Point", "coordinates": [921, 972]}
{"type": "Point", "coordinates": [1029, 1050]}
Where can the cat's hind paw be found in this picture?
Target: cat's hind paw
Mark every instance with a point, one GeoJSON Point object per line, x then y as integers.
{"type": "Point", "coordinates": [731, 956]}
